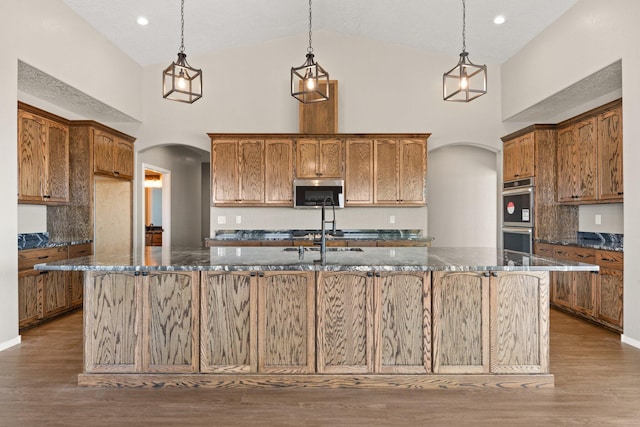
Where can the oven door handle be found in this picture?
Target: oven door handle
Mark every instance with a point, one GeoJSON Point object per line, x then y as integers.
{"type": "Point", "coordinates": [517, 191]}
{"type": "Point", "coordinates": [517, 230]}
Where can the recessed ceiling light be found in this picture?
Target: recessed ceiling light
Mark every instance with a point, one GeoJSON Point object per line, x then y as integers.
{"type": "Point", "coordinates": [142, 21]}
{"type": "Point", "coordinates": [499, 20]}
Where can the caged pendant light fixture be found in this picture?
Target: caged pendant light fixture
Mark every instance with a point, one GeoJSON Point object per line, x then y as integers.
{"type": "Point", "coordinates": [180, 81]}
{"type": "Point", "coordinates": [466, 81]}
{"type": "Point", "coordinates": [309, 82]}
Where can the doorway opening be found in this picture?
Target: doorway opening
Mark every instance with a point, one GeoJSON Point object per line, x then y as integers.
{"type": "Point", "coordinates": [156, 211]}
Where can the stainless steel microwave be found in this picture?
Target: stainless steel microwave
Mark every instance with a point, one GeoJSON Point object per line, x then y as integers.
{"type": "Point", "coordinates": [312, 193]}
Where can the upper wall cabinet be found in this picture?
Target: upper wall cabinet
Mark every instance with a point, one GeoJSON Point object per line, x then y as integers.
{"type": "Point", "coordinates": [43, 157]}
{"type": "Point", "coordinates": [589, 157]}
{"type": "Point", "coordinates": [113, 155]}
{"type": "Point", "coordinates": [359, 172]}
{"type": "Point", "coordinates": [400, 169]}
{"type": "Point", "coordinates": [518, 158]}
{"type": "Point", "coordinates": [319, 158]}
{"type": "Point", "coordinates": [237, 171]}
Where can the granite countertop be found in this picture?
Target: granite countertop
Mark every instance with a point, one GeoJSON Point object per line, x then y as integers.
{"type": "Point", "coordinates": [310, 234]}
{"type": "Point", "coordinates": [602, 241]}
{"type": "Point", "coordinates": [41, 241]}
{"type": "Point", "coordinates": [338, 259]}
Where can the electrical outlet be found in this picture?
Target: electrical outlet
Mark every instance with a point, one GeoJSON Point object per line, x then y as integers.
{"type": "Point", "coordinates": [598, 219]}
{"type": "Point", "coordinates": [238, 219]}
{"type": "Point", "coordinates": [392, 219]}
{"type": "Point", "coordinates": [222, 220]}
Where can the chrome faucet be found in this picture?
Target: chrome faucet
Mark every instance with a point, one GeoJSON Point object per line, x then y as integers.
{"type": "Point", "coordinates": [323, 237]}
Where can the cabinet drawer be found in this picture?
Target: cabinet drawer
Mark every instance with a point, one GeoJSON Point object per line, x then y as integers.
{"type": "Point", "coordinates": [544, 249]}
{"type": "Point", "coordinates": [76, 251]}
{"type": "Point", "coordinates": [29, 257]}
{"type": "Point", "coordinates": [610, 259]}
{"type": "Point", "coordinates": [576, 254]}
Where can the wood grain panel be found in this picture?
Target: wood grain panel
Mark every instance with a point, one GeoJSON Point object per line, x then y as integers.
{"type": "Point", "coordinates": [359, 172]}
{"type": "Point", "coordinates": [31, 156]}
{"type": "Point", "coordinates": [584, 283]}
{"type": "Point", "coordinates": [224, 171]}
{"type": "Point", "coordinates": [171, 317]}
{"type": "Point", "coordinates": [103, 152]}
{"type": "Point", "coordinates": [278, 155]}
{"type": "Point", "coordinates": [76, 288]}
{"type": "Point", "coordinates": [29, 257]}
{"type": "Point", "coordinates": [307, 158]}
{"type": "Point", "coordinates": [345, 323]}
{"type": "Point", "coordinates": [610, 185]}
{"type": "Point", "coordinates": [331, 160]}
{"type": "Point", "coordinates": [55, 292]}
{"type": "Point", "coordinates": [585, 157]}
{"type": "Point", "coordinates": [321, 117]}
{"type": "Point", "coordinates": [610, 288]}
{"type": "Point", "coordinates": [123, 159]}
{"type": "Point", "coordinates": [251, 170]}
{"type": "Point", "coordinates": [57, 181]}
{"type": "Point", "coordinates": [112, 318]}
{"type": "Point", "coordinates": [386, 171]}
{"type": "Point", "coordinates": [610, 259]}
{"type": "Point", "coordinates": [413, 171]}
{"type": "Point", "coordinates": [519, 322]}
{"type": "Point", "coordinates": [403, 321]}
{"type": "Point", "coordinates": [286, 322]}
{"type": "Point", "coordinates": [460, 323]}
{"type": "Point", "coordinates": [228, 328]}
{"type": "Point", "coordinates": [29, 298]}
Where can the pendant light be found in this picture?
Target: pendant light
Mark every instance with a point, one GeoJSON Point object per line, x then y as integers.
{"type": "Point", "coordinates": [309, 82]}
{"type": "Point", "coordinates": [180, 81]}
{"type": "Point", "coordinates": [466, 81]}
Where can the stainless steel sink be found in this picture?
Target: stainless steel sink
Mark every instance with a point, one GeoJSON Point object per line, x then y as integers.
{"type": "Point", "coordinates": [317, 248]}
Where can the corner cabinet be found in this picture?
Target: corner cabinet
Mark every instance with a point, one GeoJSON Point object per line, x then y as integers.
{"type": "Point", "coordinates": [518, 159]}
{"type": "Point", "coordinates": [43, 157]}
{"type": "Point", "coordinates": [112, 155]}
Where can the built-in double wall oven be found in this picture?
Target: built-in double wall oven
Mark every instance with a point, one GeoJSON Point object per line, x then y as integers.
{"type": "Point", "coordinates": [517, 215]}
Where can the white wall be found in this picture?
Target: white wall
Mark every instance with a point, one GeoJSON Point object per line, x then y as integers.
{"type": "Point", "coordinates": [463, 196]}
{"type": "Point", "coordinates": [589, 37]}
{"type": "Point", "coordinates": [611, 218]}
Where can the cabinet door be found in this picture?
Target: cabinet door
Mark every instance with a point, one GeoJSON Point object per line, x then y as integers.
{"type": "Point", "coordinates": [32, 134]}
{"type": "Point", "coordinates": [519, 322]}
{"type": "Point", "coordinates": [359, 172]}
{"type": "Point", "coordinates": [171, 319]}
{"type": "Point", "coordinates": [55, 293]}
{"type": "Point", "coordinates": [584, 283]}
{"type": "Point", "coordinates": [224, 171]}
{"type": "Point", "coordinates": [57, 170]}
{"type": "Point", "coordinates": [562, 288]}
{"type": "Point", "coordinates": [386, 171]}
{"type": "Point", "coordinates": [307, 158]}
{"type": "Point", "coordinates": [251, 174]}
{"type": "Point", "coordinates": [29, 297]}
{"type": "Point", "coordinates": [228, 327]}
{"type": "Point", "coordinates": [610, 155]}
{"type": "Point", "coordinates": [123, 159]}
{"type": "Point", "coordinates": [278, 172]}
{"type": "Point", "coordinates": [113, 321]}
{"type": "Point", "coordinates": [412, 172]}
{"type": "Point", "coordinates": [566, 173]}
{"type": "Point", "coordinates": [103, 152]}
{"type": "Point", "coordinates": [460, 323]}
{"type": "Point", "coordinates": [76, 285]}
{"type": "Point", "coordinates": [403, 323]}
{"type": "Point", "coordinates": [330, 162]}
{"type": "Point", "coordinates": [345, 323]}
{"type": "Point", "coordinates": [286, 322]}
{"type": "Point", "coordinates": [518, 158]}
{"type": "Point", "coordinates": [610, 286]}
{"type": "Point", "coordinates": [585, 149]}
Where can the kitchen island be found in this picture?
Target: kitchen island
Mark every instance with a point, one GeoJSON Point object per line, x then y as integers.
{"type": "Point", "coordinates": [276, 317]}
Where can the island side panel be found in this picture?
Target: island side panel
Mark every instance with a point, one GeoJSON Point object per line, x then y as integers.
{"type": "Point", "coordinates": [171, 322]}
{"type": "Point", "coordinates": [112, 320]}
{"type": "Point", "coordinates": [520, 322]}
{"type": "Point", "coordinates": [345, 322]}
{"type": "Point", "coordinates": [403, 323]}
{"type": "Point", "coordinates": [228, 328]}
{"type": "Point", "coordinates": [460, 322]}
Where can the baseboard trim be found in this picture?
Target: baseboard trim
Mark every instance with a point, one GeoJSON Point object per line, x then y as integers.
{"type": "Point", "coordinates": [12, 342]}
{"type": "Point", "coordinates": [628, 340]}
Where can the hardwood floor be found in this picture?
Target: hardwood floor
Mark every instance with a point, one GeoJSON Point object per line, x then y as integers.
{"type": "Point", "coordinates": [597, 382]}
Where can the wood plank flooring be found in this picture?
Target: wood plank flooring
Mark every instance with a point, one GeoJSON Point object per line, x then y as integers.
{"type": "Point", "coordinates": [597, 384]}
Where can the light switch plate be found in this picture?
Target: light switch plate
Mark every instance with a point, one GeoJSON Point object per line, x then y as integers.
{"type": "Point", "coordinates": [392, 219]}
{"type": "Point", "coordinates": [598, 219]}
{"type": "Point", "coordinates": [238, 219]}
{"type": "Point", "coordinates": [222, 220]}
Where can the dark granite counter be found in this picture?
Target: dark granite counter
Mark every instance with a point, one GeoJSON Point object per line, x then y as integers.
{"type": "Point", "coordinates": [312, 234]}
{"type": "Point", "coordinates": [602, 241]}
{"type": "Point", "coordinates": [303, 259]}
{"type": "Point", "coordinates": [41, 241]}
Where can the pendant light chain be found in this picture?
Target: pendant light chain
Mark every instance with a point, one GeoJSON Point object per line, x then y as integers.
{"type": "Point", "coordinates": [310, 49]}
{"type": "Point", "coordinates": [182, 26]}
{"type": "Point", "coordinates": [464, 25]}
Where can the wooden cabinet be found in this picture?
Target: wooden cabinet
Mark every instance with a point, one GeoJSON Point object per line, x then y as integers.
{"type": "Point", "coordinates": [399, 169]}
{"type": "Point", "coordinates": [345, 336]}
{"type": "Point", "coordinates": [112, 154]}
{"type": "Point", "coordinates": [577, 161]}
{"type": "Point", "coordinates": [278, 182]}
{"type": "Point", "coordinates": [153, 322]}
{"type": "Point", "coordinates": [55, 293]}
{"type": "Point", "coordinates": [359, 172]}
{"type": "Point", "coordinates": [319, 158]}
{"type": "Point", "coordinates": [610, 186]}
{"type": "Point", "coordinates": [286, 322]}
{"type": "Point", "coordinates": [460, 322]}
{"type": "Point", "coordinates": [237, 175]}
{"type": "Point", "coordinates": [43, 157]}
{"type": "Point", "coordinates": [403, 323]}
{"type": "Point", "coordinates": [518, 158]}
{"type": "Point", "coordinates": [575, 290]}
{"type": "Point", "coordinates": [228, 327]}
{"type": "Point", "coordinates": [29, 298]}
{"type": "Point", "coordinates": [610, 287]}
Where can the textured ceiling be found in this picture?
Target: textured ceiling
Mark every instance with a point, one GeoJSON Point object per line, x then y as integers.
{"type": "Point", "coordinates": [211, 26]}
